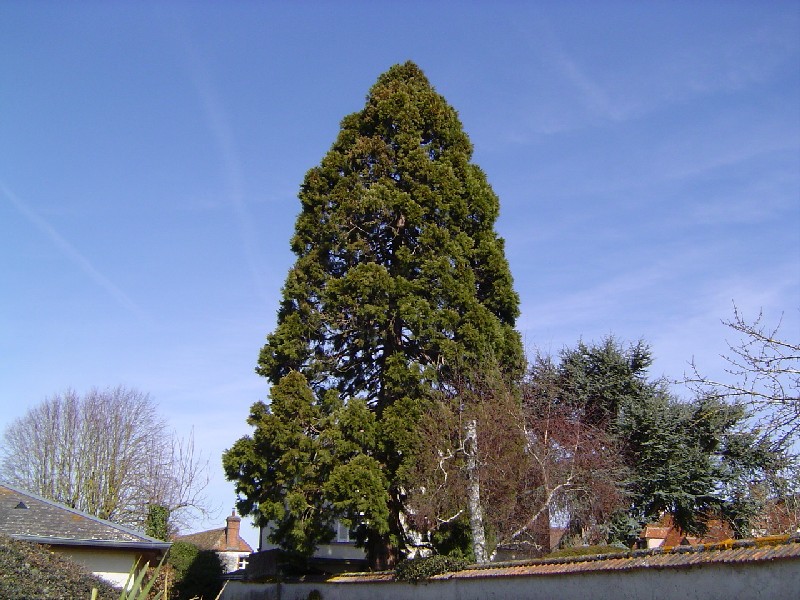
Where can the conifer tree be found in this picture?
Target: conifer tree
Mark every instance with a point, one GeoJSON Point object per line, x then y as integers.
{"type": "Point", "coordinates": [399, 276]}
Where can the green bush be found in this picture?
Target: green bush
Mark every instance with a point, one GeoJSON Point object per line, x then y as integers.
{"type": "Point", "coordinates": [33, 572]}
{"type": "Point", "coordinates": [419, 569]}
{"type": "Point", "coordinates": [454, 539]}
{"type": "Point", "coordinates": [157, 523]}
{"type": "Point", "coordinates": [198, 573]}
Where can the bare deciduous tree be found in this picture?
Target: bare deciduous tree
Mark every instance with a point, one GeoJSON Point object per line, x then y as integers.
{"type": "Point", "coordinates": [537, 459]}
{"type": "Point", "coordinates": [470, 428]}
{"type": "Point", "coordinates": [107, 453]}
{"type": "Point", "coordinates": [780, 499]}
{"type": "Point", "coordinates": [765, 372]}
{"type": "Point", "coordinates": [570, 471]}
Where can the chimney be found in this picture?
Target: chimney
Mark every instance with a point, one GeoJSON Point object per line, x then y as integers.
{"type": "Point", "coordinates": [232, 531]}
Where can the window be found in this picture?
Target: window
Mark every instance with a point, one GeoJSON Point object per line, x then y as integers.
{"type": "Point", "coordinates": [342, 532]}
{"type": "Point", "coordinates": [345, 534]}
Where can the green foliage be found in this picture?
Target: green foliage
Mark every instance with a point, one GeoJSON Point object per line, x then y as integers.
{"type": "Point", "coordinates": [420, 569]}
{"type": "Point", "coordinates": [32, 572]}
{"type": "Point", "coordinates": [157, 522]}
{"type": "Point", "coordinates": [454, 539]}
{"type": "Point", "coordinates": [139, 588]}
{"type": "Point", "coordinates": [396, 253]}
{"type": "Point", "coordinates": [695, 460]}
{"type": "Point", "coordinates": [318, 456]}
{"type": "Point", "coordinates": [180, 557]}
{"type": "Point", "coordinates": [198, 573]}
{"type": "Point", "coordinates": [599, 378]}
{"type": "Point", "coordinates": [399, 276]}
{"type": "Point", "coordinates": [623, 528]}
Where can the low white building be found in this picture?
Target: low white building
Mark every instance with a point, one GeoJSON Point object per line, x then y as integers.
{"type": "Point", "coordinates": [106, 549]}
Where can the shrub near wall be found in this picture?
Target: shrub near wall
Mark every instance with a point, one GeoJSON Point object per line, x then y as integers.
{"type": "Point", "coordinates": [420, 569]}
{"type": "Point", "coordinates": [32, 572]}
{"type": "Point", "coordinates": [197, 573]}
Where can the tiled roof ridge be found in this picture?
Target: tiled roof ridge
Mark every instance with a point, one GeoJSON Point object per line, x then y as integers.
{"type": "Point", "coordinates": [105, 522]}
{"type": "Point", "coordinates": [730, 544]}
{"type": "Point", "coordinates": [214, 539]}
{"type": "Point", "coordinates": [204, 532]}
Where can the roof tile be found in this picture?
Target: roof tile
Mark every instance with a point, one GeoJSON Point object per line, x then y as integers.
{"type": "Point", "coordinates": [740, 551]}
{"type": "Point", "coordinates": [29, 517]}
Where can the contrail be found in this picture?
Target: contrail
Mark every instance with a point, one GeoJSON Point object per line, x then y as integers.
{"type": "Point", "coordinates": [72, 254]}
{"type": "Point", "coordinates": [218, 124]}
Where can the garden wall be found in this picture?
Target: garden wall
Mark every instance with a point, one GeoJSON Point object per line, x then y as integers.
{"type": "Point", "coordinates": [778, 578]}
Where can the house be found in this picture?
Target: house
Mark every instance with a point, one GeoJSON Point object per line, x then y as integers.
{"type": "Point", "coordinates": [339, 555]}
{"type": "Point", "coordinates": [665, 534]}
{"type": "Point", "coordinates": [107, 549]}
{"type": "Point", "coordinates": [232, 550]}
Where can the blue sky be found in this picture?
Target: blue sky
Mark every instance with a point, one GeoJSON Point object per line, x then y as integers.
{"type": "Point", "coordinates": [646, 155]}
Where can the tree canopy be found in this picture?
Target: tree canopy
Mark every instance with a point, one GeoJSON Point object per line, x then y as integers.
{"type": "Point", "coordinates": [695, 459]}
{"type": "Point", "coordinates": [590, 442]}
{"type": "Point", "coordinates": [401, 287]}
{"type": "Point", "coordinates": [547, 450]}
{"type": "Point", "coordinates": [108, 453]}
{"type": "Point", "coordinates": [399, 276]}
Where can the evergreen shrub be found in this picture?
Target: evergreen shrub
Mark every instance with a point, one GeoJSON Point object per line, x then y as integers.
{"type": "Point", "coordinates": [198, 573]}
{"type": "Point", "coordinates": [33, 572]}
{"type": "Point", "coordinates": [419, 569]}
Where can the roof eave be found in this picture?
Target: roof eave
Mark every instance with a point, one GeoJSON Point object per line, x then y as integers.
{"type": "Point", "coordinates": [53, 541]}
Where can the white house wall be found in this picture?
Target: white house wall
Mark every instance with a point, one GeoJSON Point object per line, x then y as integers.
{"type": "Point", "coordinates": [334, 550]}
{"type": "Point", "coordinates": [112, 565]}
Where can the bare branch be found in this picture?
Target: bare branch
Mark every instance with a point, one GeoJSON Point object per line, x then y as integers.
{"type": "Point", "coordinates": [106, 453]}
{"type": "Point", "coordinates": [765, 375]}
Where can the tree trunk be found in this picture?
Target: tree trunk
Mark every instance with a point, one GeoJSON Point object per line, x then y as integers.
{"type": "Point", "coordinates": [541, 532]}
{"type": "Point", "coordinates": [381, 553]}
{"type": "Point", "coordinates": [474, 493]}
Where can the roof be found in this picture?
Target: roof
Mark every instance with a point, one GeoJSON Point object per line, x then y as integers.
{"type": "Point", "coordinates": [214, 539]}
{"type": "Point", "coordinates": [655, 532]}
{"type": "Point", "coordinates": [31, 518]}
{"type": "Point", "coordinates": [741, 551]}
{"type": "Point", "coordinates": [671, 535]}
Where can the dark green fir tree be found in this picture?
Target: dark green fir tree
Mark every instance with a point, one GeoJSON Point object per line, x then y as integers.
{"type": "Point", "coordinates": [399, 278]}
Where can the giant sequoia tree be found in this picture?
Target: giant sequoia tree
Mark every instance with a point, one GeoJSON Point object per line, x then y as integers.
{"type": "Point", "coordinates": [399, 276]}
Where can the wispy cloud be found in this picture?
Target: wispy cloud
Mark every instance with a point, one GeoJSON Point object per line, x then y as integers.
{"type": "Point", "coordinates": [696, 331]}
{"type": "Point", "coordinates": [219, 125]}
{"type": "Point", "coordinates": [72, 253]}
{"type": "Point", "coordinates": [570, 85]}
{"type": "Point", "coordinates": [599, 303]}
{"type": "Point", "coordinates": [676, 303]}
{"type": "Point", "coordinates": [592, 95]}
